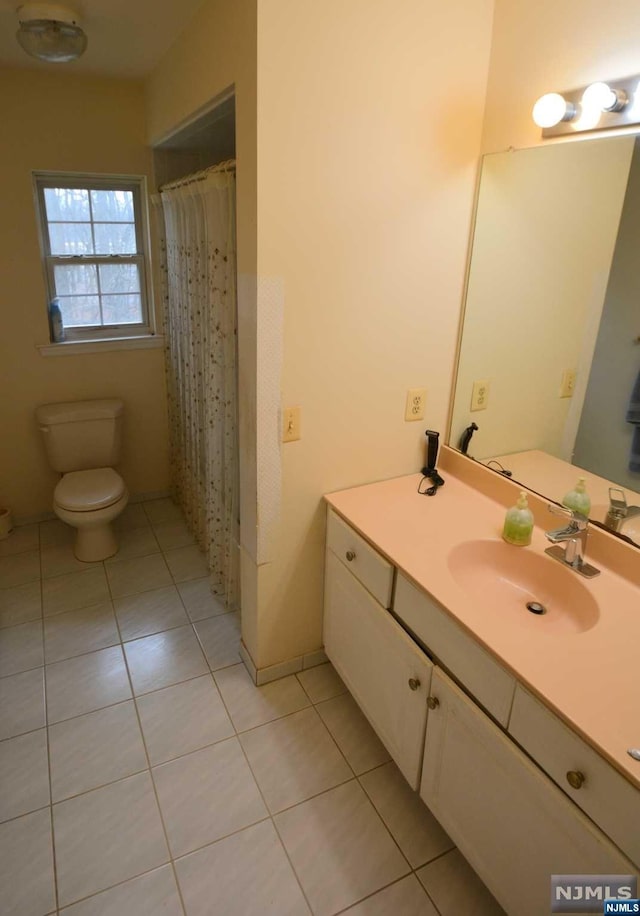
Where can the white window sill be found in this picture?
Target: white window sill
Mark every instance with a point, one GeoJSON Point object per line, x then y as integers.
{"type": "Point", "coordinates": [80, 347]}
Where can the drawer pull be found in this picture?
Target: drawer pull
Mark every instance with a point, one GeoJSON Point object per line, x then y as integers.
{"type": "Point", "coordinates": [350, 555]}
{"type": "Point", "coordinates": [575, 779]}
{"type": "Point", "coordinates": [433, 702]}
{"type": "Point", "coordinates": [414, 683]}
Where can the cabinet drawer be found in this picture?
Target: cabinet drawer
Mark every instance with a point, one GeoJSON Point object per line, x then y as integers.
{"type": "Point", "coordinates": [360, 558]}
{"type": "Point", "coordinates": [489, 684]}
{"type": "Point", "coordinates": [605, 795]}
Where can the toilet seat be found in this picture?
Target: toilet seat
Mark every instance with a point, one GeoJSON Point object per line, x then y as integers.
{"type": "Point", "coordinates": [87, 491]}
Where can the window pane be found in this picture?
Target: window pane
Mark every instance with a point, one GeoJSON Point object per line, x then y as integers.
{"type": "Point", "coordinates": [119, 278]}
{"type": "Point", "coordinates": [79, 311]}
{"type": "Point", "coordinates": [115, 238]}
{"type": "Point", "coordinates": [122, 309]}
{"type": "Point", "coordinates": [112, 206]}
{"type": "Point", "coordinates": [76, 279]}
{"type": "Point", "coordinates": [67, 204]}
{"type": "Point", "coordinates": [70, 238]}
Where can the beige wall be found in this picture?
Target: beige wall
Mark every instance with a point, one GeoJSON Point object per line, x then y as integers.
{"type": "Point", "coordinates": [365, 188]}
{"type": "Point", "coordinates": [551, 45]}
{"type": "Point", "coordinates": [544, 240]}
{"type": "Point", "coordinates": [68, 123]}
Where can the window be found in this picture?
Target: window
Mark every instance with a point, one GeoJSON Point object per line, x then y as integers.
{"type": "Point", "coordinates": [93, 233]}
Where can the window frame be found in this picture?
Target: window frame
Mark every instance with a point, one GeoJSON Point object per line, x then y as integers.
{"type": "Point", "coordinates": [137, 184]}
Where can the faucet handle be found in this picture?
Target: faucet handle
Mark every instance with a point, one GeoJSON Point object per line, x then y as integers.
{"type": "Point", "coordinates": [577, 518]}
{"type": "Point", "coordinates": [617, 502]}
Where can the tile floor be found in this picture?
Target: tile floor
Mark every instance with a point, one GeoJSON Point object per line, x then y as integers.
{"type": "Point", "coordinates": [142, 772]}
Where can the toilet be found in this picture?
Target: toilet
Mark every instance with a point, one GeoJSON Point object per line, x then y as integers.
{"type": "Point", "coordinates": [82, 440]}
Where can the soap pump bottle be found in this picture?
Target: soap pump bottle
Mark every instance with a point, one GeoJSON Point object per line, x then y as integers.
{"type": "Point", "coordinates": [578, 498]}
{"type": "Point", "coordinates": [518, 523]}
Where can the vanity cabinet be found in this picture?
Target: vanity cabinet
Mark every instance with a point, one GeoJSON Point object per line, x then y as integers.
{"type": "Point", "coordinates": [386, 673]}
{"type": "Point", "coordinates": [488, 759]}
{"type": "Point", "coordinates": [514, 826]}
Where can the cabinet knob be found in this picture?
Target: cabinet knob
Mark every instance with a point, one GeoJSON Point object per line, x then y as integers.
{"type": "Point", "coordinates": [575, 778]}
{"type": "Point", "coordinates": [414, 683]}
{"type": "Point", "coordinates": [350, 555]}
{"type": "Point", "coordinates": [433, 702]}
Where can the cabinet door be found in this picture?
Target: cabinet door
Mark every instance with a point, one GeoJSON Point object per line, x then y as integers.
{"type": "Point", "coordinates": [377, 660]}
{"type": "Point", "coordinates": [511, 822]}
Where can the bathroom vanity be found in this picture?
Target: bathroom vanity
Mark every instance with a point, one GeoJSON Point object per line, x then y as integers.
{"type": "Point", "coordinates": [513, 727]}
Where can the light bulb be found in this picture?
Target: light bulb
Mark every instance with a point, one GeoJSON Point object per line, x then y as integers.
{"type": "Point", "coordinates": [552, 108]}
{"type": "Point", "coordinates": [600, 96]}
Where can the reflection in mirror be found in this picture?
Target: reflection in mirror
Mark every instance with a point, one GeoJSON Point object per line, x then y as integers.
{"type": "Point", "coordinates": [549, 358]}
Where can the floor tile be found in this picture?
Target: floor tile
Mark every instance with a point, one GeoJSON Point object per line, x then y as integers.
{"type": "Point", "coordinates": [150, 612]}
{"type": "Point", "coordinates": [220, 639]}
{"type": "Point", "coordinates": [107, 836]}
{"type": "Point", "coordinates": [55, 531]}
{"type": "Point", "coordinates": [77, 632]}
{"type": "Point", "coordinates": [153, 894]}
{"type": "Point", "coordinates": [352, 733]}
{"type": "Point", "coordinates": [413, 826]}
{"type": "Point", "coordinates": [404, 898]}
{"type": "Point", "coordinates": [173, 534]}
{"type": "Point", "coordinates": [293, 759]}
{"type": "Point", "coordinates": [164, 659]}
{"type": "Point", "coordinates": [20, 604]}
{"type": "Point", "coordinates": [135, 542]}
{"type": "Point", "coordinates": [22, 703]}
{"type": "Point", "coordinates": [59, 559]}
{"type": "Point", "coordinates": [94, 749]}
{"type": "Point", "coordinates": [186, 563]}
{"type": "Point", "coordinates": [198, 600]}
{"type": "Point", "coordinates": [24, 567]}
{"type": "Point", "coordinates": [183, 718]}
{"type": "Point", "coordinates": [322, 682]}
{"type": "Point", "coordinates": [20, 540]}
{"type": "Point", "coordinates": [141, 574]}
{"type": "Point", "coordinates": [26, 865]}
{"type": "Point", "coordinates": [21, 648]}
{"type": "Point", "coordinates": [74, 590]}
{"type": "Point", "coordinates": [455, 888]}
{"type": "Point", "coordinates": [247, 873]}
{"type": "Point", "coordinates": [250, 706]}
{"type": "Point", "coordinates": [24, 774]}
{"type": "Point", "coordinates": [207, 795]}
{"type": "Point", "coordinates": [133, 516]}
{"type": "Point", "coordinates": [85, 683]}
{"type": "Point", "coordinates": [162, 510]}
{"type": "Point", "coordinates": [339, 848]}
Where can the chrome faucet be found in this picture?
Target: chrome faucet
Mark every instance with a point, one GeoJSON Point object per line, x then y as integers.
{"type": "Point", "coordinates": [619, 512]}
{"type": "Point", "coordinates": [574, 537]}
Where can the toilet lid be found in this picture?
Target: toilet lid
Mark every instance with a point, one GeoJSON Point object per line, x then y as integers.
{"type": "Point", "coordinates": [85, 491]}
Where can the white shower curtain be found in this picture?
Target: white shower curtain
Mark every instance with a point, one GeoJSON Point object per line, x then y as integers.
{"type": "Point", "coordinates": [197, 240]}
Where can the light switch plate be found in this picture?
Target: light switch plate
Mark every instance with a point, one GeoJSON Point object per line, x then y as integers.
{"type": "Point", "coordinates": [568, 383]}
{"type": "Point", "coordinates": [414, 408]}
{"type": "Point", "coordinates": [291, 424]}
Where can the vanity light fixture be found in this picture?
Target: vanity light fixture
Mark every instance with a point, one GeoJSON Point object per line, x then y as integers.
{"type": "Point", "coordinates": [599, 106]}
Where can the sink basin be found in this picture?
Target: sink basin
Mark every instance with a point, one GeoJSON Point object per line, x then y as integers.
{"type": "Point", "coordinates": [509, 578]}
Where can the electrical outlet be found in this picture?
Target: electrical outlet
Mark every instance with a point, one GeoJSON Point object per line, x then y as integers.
{"type": "Point", "coordinates": [480, 395]}
{"type": "Point", "coordinates": [414, 409]}
{"type": "Point", "coordinates": [568, 383]}
{"type": "Point", "coordinates": [290, 424]}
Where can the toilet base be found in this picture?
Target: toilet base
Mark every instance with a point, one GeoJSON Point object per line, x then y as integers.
{"type": "Point", "coordinates": [95, 543]}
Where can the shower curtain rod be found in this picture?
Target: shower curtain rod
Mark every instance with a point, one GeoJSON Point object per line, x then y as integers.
{"type": "Point", "coordinates": [228, 166]}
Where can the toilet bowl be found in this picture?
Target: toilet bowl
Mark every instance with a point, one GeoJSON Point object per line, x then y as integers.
{"type": "Point", "coordinates": [82, 441]}
{"type": "Point", "coordinates": [89, 501]}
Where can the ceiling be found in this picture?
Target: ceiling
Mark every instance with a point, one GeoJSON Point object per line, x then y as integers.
{"type": "Point", "coordinates": [126, 37]}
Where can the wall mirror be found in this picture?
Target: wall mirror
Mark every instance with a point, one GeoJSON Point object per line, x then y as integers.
{"type": "Point", "coordinates": [549, 353]}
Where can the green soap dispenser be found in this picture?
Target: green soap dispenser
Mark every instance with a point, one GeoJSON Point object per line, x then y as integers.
{"type": "Point", "coordinates": [578, 498]}
{"type": "Point", "coordinates": [518, 523]}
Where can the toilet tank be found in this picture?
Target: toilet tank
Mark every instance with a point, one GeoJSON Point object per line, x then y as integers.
{"type": "Point", "coordinates": [80, 435]}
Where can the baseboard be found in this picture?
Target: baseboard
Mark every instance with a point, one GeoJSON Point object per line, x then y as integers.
{"type": "Point", "coordinates": [261, 676]}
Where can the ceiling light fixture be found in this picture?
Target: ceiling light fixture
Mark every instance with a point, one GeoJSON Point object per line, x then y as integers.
{"type": "Point", "coordinates": [50, 32]}
{"type": "Point", "coordinates": [599, 106]}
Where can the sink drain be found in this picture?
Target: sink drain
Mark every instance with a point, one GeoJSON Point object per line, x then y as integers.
{"type": "Point", "coordinates": [536, 608]}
